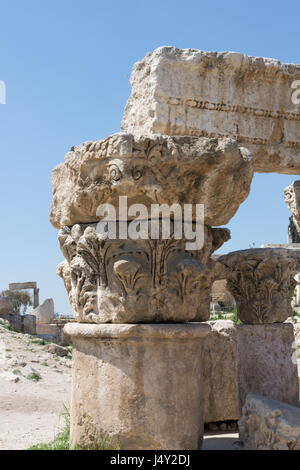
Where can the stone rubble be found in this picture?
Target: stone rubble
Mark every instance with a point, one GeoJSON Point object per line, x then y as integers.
{"type": "Point", "coordinates": [269, 425]}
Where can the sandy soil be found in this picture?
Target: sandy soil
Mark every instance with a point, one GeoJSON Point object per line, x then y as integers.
{"type": "Point", "coordinates": [30, 410]}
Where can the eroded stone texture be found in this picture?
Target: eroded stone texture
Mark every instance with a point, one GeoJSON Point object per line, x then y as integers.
{"type": "Point", "coordinates": [269, 425]}
{"type": "Point", "coordinates": [44, 313]}
{"type": "Point", "coordinates": [132, 281]}
{"type": "Point", "coordinates": [243, 359]}
{"type": "Point", "coordinates": [220, 373]}
{"type": "Point", "coordinates": [292, 198]}
{"type": "Point", "coordinates": [217, 94]}
{"type": "Point", "coordinates": [266, 362]}
{"type": "Point", "coordinates": [141, 385]}
{"type": "Point", "coordinates": [261, 281]}
{"type": "Point", "coordinates": [156, 170]}
{"type": "Point", "coordinates": [7, 305]}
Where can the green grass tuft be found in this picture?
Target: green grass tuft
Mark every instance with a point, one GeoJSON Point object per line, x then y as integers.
{"type": "Point", "coordinates": [234, 317]}
{"type": "Point", "coordinates": [35, 377]}
{"type": "Point", "coordinates": [61, 440]}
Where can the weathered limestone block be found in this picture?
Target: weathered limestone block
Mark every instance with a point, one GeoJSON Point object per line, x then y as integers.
{"type": "Point", "coordinates": [45, 312]}
{"type": "Point", "coordinates": [261, 281]}
{"type": "Point", "coordinates": [20, 323]}
{"type": "Point", "coordinates": [266, 362]}
{"type": "Point", "coordinates": [132, 281]}
{"type": "Point", "coordinates": [46, 330]}
{"type": "Point", "coordinates": [6, 305]}
{"type": "Point", "coordinates": [243, 359]}
{"type": "Point", "coordinates": [292, 198]}
{"type": "Point", "coordinates": [156, 170]}
{"type": "Point", "coordinates": [220, 373]}
{"type": "Point", "coordinates": [269, 425]}
{"type": "Point", "coordinates": [29, 324]}
{"type": "Point", "coordinates": [217, 94]}
{"type": "Point", "coordinates": [15, 321]}
{"type": "Point", "coordinates": [139, 384]}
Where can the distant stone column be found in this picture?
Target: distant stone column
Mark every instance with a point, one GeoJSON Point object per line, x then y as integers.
{"type": "Point", "coordinates": [36, 300]}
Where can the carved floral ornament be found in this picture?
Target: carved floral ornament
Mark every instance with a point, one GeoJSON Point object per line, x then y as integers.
{"type": "Point", "coordinates": [156, 170]}
{"type": "Point", "coordinates": [127, 281]}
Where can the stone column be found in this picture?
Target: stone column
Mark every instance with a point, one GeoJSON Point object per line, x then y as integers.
{"type": "Point", "coordinates": [137, 376]}
{"type": "Point", "coordinates": [36, 300]}
{"type": "Point", "coordinates": [139, 384]}
{"type": "Point", "coordinates": [262, 281]}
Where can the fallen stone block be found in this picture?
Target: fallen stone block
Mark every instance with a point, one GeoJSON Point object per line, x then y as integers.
{"type": "Point", "coordinates": [268, 424]}
{"type": "Point", "coordinates": [266, 362]}
{"type": "Point", "coordinates": [56, 349]}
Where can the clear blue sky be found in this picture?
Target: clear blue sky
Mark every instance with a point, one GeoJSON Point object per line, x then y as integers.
{"type": "Point", "coordinates": [67, 63]}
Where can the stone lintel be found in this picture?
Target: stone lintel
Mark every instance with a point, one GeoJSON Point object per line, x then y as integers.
{"type": "Point", "coordinates": [218, 94]}
{"type": "Point", "coordinates": [22, 285]}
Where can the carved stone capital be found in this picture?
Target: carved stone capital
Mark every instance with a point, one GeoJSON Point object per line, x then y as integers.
{"type": "Point", "coordinates": [151, 170]}
{"type": "Point", "coordinates": [133, 281]}
{"type": "Point", "coordinates": [262, 281]}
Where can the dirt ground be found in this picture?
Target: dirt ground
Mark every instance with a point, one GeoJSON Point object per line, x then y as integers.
{"type": "Point", "coordinates": [30, 409]}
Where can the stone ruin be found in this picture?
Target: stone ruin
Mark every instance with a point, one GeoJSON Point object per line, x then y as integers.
{"type": "Point", "coordinates": [148, 369]}
{"type": "Point", "coordinates": [40, 322]}
{"type": "Point", "coordinates": [27, 286]}
{"type": "Point", "coordinates": [19, 323]}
